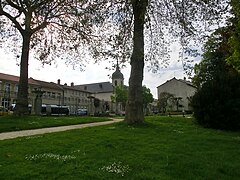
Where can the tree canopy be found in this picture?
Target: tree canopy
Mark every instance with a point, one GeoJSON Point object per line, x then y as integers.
{"type": "Point", "coordinates": [216, 103]}
{"type": "Point", "coordinates": [234, 58]}
{"type": "Point", "coordinates": [138, 31]}
{"type": "Point", "coordinates": [52, 29]}
{"type": "Point", "coordinates": [147, 96]}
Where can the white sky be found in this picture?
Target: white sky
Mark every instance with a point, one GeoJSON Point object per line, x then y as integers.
{"type": "Point", "coordinates": [93, 72]}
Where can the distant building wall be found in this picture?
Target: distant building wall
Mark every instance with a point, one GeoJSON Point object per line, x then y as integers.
{"type": "Point", "coordinates": [180, 89]}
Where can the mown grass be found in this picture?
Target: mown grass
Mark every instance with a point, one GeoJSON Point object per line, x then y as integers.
{"type": "Point", "coordinates": [13, 123]}
{"type": "Point", "coordinates": [163, 148]}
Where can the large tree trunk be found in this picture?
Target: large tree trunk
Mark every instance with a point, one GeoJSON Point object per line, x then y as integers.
{"type": "Point", "coordinates": [134, 111]}
{"type": "Point", "coordinates": [22, 96]}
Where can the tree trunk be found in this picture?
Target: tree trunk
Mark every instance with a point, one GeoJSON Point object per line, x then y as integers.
{"type": "Point", "coordinates": [22, 96]}
{"type": "Point", "coordinates": [134, 111]}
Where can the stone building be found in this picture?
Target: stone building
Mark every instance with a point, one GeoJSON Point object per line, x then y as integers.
{"type": "Point", "coordinates": [181, 89]}
{"type": "Point", "coordinates": [74, 96]}
{"type": "Point", "coordinates": [103, 91]}
{"type": "Point", "coordinates": [52, 93]}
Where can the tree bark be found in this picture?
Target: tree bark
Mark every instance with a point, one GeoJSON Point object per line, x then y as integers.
{"type": "Point", "coordinates": [22, 96]}
{"type": "Point", "coordinates": [134, 111]}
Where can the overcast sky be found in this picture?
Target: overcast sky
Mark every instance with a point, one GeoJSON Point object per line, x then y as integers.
{"type": "Point", "coordinates": [93, 72]}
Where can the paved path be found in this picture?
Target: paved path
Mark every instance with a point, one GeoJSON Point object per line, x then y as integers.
{"type": "Point", "coordinates": [15, 134]}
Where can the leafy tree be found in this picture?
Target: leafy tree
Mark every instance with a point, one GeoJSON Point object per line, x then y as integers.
{"type": "Point", "coordinates": [164, 99]}
{"type": "Point", "coordinates": [120, 95]}
{"type": "Point", "coordinates": [147, 96]}
{"type": "Point", "coordinates": [217, 102]}
{"type": "Point", "coordinates": [51, 29]}
{"type": "Point", "coordinates": [234, 58]}
{"type": "Point", "coordinates": [129, 24]}
{"type": "Point", "coordinates": [213, 63]}
{"type": "Point", "coordinates": [158, 23]}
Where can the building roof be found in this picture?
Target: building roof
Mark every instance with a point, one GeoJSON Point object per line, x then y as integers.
{"type": "Point", "coordinates": [102, 87]}
{"type": "Point", "coordinates": [13, 78]}
{"type": "Point", "coordinates": [180, 80]}
{"type": "Point", "coordinates": [117, 74]}
{"type": "Point", "coordinates": [9, 77]}
{"type": "Point", "coordinates": [45, 84]}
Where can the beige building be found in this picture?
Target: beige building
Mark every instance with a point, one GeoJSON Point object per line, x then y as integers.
{"type": "Point", "coordinates": [181, 89]}
{"type": "Point", "coordinates": [104, 91]}
{"type": "Point", "coordinates": [53, 93]}
{"type": "Point", "coordinates": [74, 96]}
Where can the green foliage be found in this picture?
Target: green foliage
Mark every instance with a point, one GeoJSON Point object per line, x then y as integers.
{"type": "Point", "coordinates": [120, 94]}
{"type": "Point", "coordinates": [162, 148]}
{"type": "Point", "coordinates": [217, 101]}
{"type": "Point", "coordinates": [234, 42]}
{"type": "Point", "coordinates": [147, 96]}
{"type": "Point", "coordinates": [165, 100]}
{"type": "Point", "coordinates": [213, 62]}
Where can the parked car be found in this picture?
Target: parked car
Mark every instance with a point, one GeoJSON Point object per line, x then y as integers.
{"type": "Point", "coordinates": [81, 112]}
{"type": "Point", "coordinates": [3, 111]}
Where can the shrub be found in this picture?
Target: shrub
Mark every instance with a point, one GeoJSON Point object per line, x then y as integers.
{"type": "Point", "coordinates": [217, 103]}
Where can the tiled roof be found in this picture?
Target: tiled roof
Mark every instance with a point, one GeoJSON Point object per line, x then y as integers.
{"type": "Point", "coordinates": [13, 78]}
{"type": "Point", "coordinates": [45, 84]}
{"type": "Point", "coordinates": [9, 77]}
{"type": "Point", "coordinates": [102, 87]}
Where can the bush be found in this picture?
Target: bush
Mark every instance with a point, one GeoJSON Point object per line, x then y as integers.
{"type": "Point", "coordinates": [217, 103]}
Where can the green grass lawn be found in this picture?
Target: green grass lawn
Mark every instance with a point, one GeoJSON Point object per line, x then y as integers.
{"type": "Point", "coordinates": [163, 148]}
{"type": "Point", "coordinates": [13, 123]}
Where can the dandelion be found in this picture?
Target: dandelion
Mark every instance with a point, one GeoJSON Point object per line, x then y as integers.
{"type": "Point", "coordinates": [49, 156]}
{"type": "Point", "coordinates": [117, 168]}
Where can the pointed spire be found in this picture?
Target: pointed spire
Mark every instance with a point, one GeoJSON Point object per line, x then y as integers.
{"type": "Point", "coordinates": [117, 74]}
{"type": "Point", "coordinates": [117, 68]}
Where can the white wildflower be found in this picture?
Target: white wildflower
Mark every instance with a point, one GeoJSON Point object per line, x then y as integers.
{"type": "Point", "coordinates": [116, 167]}
{"type": "Point", "coordinates": [49, 156]}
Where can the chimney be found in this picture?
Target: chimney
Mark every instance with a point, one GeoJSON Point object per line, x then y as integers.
{"type": "Point", "coordinates": [72, 84]}
{"type": "Point", "coordinates": [185, 79]}
{"type": "Point", "coordinates": [58, 81]}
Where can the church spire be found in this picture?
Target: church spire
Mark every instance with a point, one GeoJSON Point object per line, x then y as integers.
{"type": "Point", "coordinates": [117, 76]}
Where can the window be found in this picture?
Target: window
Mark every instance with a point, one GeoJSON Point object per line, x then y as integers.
{"type": "Point", "coordinates": [53, 95]}
{"type": "Point", "coordinates": [115, 83]}
{"type": "Point", "coordinates": [16, 88]}
{"type": "Point", "coordinates": [49, 94]}
{"type": "Point", "coordinates": [7, 88]}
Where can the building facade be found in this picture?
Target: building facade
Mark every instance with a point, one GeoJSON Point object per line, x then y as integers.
{"type": "Point", "coordinates": [52, 93]}
{"type": "Point", "coordinates": [103, 91]}
{"type": "Point", "coordinates": [74, 96]}
{"type": "Point", "coordinates": [182, 91]}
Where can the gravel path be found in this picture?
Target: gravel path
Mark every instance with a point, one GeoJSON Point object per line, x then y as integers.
{"type": "Point", "coordinates": [15, 134]}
